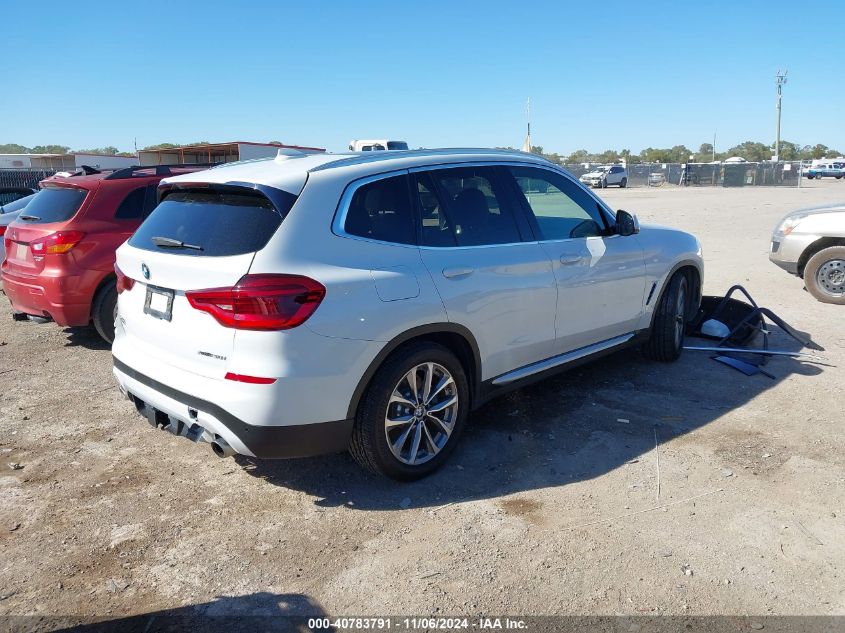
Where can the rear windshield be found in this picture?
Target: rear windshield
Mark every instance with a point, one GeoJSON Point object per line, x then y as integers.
{"type": "Point", "coordinates": [206, 223]}
{"type": "Point", "coordinates": [54, 204]}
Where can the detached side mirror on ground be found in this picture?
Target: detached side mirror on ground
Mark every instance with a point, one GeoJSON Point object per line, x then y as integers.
{"type": "Point", "coordinates": [626, 223]}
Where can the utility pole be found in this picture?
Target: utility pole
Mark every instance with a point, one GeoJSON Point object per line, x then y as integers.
{"type": "Point", "coordinates": [714, 146]}
{"type": "Point", "coordinates": [780, 80]}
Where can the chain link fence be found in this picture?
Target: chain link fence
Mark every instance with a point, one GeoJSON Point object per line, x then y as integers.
{"type": "Point", "coordinates": [23, 177]}
{"type": "Point", "coordinates": [780, 174]}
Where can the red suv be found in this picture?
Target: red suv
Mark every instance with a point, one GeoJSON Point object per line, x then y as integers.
{"type": "Point", "coordinates": [60, 251]}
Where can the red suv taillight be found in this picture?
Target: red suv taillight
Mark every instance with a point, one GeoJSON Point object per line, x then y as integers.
{"type": "Point", "coordinates": [123, 282]}
{"type": "Point", "coordinates": [2, 230]}
{"type": "Point", "coordinates": [56, 243]}
{"type": "Point", "coordinates": [261, 302]}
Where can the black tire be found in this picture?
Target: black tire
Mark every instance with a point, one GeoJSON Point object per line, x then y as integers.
{"type": "Point", "coordinates": [666, 339]}
{"type": "Point", "coordinates": [824, 275]}
{"type": "Point", "coordinates": [104, 311]}
{"type": "Point", "coordinates": [810, 176]}
{"type": "Point", "coordinates": [369, 442]}
{"type": "Point", "coordinates": [624, 183]}
{"type": "Point", "coordinates": [603, 184]}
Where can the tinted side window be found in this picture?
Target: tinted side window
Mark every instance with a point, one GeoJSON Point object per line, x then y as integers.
{"type": "Point", "coordinates": [436, 230]}
{"type": "Point", "coordinates": [476, 205]}
{"type": "Point", "coordinates": [132, 207]}
{"type": "Point", "coordinates": [381, 210]}
{"type": "Point", "coordinates": [562, 209]}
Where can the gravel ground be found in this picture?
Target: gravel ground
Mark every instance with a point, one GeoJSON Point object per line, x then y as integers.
{"type": "Point", "coordinates": [557, 501]}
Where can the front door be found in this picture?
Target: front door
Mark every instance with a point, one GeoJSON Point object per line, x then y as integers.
{"type": "Point", "coordinates": [600, 275]}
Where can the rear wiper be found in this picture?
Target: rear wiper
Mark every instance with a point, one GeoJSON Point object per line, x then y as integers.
{"type": "Point", "coordinates": [24, 216]}
{"type": "Point", "coordinates": [169, 242]}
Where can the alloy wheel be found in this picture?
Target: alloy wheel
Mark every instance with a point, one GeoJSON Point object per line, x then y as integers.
{"type": "Point", "coordinates": [421, 413]}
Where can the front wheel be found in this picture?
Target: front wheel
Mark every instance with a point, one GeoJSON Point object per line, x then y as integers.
{"type": "Point", "coordinates": [412, 413]}
{"type": "Point", "coordinates": [604, 183]}
{"type": "Point", "coordinates": [824, 275]}
{"type": "Point", "coordinates": [104, 311]}
{"type": "Point", "coordinates": [666, 339]}
{"type": "Point", "coordinates": [623, 183]}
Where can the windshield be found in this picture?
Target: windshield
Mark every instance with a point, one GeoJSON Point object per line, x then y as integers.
{"type": "Point", "coordinates": [208, 223]}
{"type": "Point", "coordinates": [54, 204]}
{"type": "Point", "coordinates": [17, 205]}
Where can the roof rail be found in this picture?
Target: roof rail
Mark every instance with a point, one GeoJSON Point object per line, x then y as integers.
{"type": "Point", "coordinates": [160, 170]}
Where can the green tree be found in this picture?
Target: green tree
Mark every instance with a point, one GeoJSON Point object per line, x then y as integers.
{"type": "Point", "coordinates": [578, 156]}
{"type": "Point", "coordinates": [752, 151]}
{"type": "Point", "coordinates": [161, 146]}
{"type": "Point", "coordinates": [789, 151]}
{"type": "Point", "coordinates": [704, 153]}
{"type": "Point", "coordinates": [110, 150]}
{"type": "Point", "coordinates": [13, 148]}
{"type": "Point", "coordinates": [50, 149]}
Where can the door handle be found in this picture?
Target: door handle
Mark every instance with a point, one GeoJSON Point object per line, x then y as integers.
{"type": "Point", "coordinates": [568, 260]}
{"type": "Point", "coordinates": [458, 272]}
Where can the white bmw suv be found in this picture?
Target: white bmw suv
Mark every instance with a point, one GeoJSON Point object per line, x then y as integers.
{"type": "Point", "coordinates": [302, 305]}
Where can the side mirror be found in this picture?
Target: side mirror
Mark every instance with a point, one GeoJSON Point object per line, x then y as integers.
{"type": "Point", "coordinates": [626, 223]}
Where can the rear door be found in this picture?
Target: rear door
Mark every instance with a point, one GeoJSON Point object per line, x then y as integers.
{"type": "Point", "coordinates": [493, 278]}
{"type": "Point", "coordinates": [600, 275]}
{"type": "Point", "coordinates": [195, 239]}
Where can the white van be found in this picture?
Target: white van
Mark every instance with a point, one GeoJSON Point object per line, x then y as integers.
{"type": "Point", "coordinates": [376, 145]}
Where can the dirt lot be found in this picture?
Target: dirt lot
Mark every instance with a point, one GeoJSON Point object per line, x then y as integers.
{"type": "Point", "coordinates": [551, 504]}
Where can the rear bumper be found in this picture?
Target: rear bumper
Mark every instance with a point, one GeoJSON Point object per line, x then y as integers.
{"type": "Point", "coordinates": [200, 419]}
{"type": "Point", "coordinates": [46, 297]}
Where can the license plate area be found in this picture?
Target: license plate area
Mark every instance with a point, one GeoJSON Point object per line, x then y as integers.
{"type": "Point", "coordinates": [159, 303]}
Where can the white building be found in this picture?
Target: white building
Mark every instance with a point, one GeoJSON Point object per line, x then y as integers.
{"type": "Point", "coordinates": [216, 153]}
{"type": "Point", "coordinates": [65, 162]}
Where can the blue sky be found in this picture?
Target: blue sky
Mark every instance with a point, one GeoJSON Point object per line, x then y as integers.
{"type": "Point", "coordinates": [600, 74]}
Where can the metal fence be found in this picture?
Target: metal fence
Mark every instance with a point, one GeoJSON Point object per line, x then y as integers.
{"type": "Point", "coordinates": [23, 177]}
{"type": "Point", "coordinates": [780, 174]}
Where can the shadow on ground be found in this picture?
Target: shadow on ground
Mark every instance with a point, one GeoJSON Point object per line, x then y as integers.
{"type": "Point", "coordinates": [577, 426]}
{"type": "Point", "coordinates": [256, 612]}
{"type": "Point", "coordinates": [86, 337]}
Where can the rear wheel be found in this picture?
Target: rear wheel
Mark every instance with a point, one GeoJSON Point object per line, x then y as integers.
{"type": "Point", "coordinates": [666, 339]}
{"type": "Point", "coordinates": [412, 413]}
{"type": "Point", "coordinates": [824, 275]}
{"type": "Point", "coordinates": [104, 311]}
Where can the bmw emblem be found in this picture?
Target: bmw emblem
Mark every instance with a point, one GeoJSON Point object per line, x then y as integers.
{"type": "Point", "coordinates": [145, 270]}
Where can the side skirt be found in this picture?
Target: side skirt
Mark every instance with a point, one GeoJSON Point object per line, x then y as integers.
{"type": "Point", "coordinates": [524, 376]}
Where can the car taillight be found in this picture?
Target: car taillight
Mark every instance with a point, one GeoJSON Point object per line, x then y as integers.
{"type": "Point", "coordinates": [261, 302]}
{"type": "Point", "coordinates": [123, 282]}
{"type": "Point", "coordinates": [56, 243]}
{"type": "Point", "coordinates": [2, 230]}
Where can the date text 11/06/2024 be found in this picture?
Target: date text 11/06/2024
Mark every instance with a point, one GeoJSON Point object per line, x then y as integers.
{"type": "Point", "coordinates": [411, 624]}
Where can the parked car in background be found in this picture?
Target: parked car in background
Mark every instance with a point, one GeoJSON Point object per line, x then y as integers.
{"type": "Point", "coordinates": [811, 244]}
{"type": "Point", "coordinates": [296, 306]}
{"type": "Point", "coordinates": [605, 176]}
{"type": "Point", "coordinates": [834, 170]}
{"type": "Point", "coordinates": [9, 212]}
{"type": "Point", "coordinates": [59, 261]}
{"type": "Point", "coordinates": [10, 194]}
{"type": "Point", "coordinates": [376, 145]}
